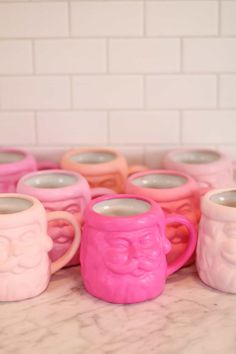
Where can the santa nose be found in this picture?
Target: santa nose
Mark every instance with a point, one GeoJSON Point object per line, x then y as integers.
{"type": "Point", "coordinates": [135, 251]}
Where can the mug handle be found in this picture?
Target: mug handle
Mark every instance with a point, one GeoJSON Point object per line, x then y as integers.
{"type": "Point", "coordinates": [47, 165]}
{"type": "Point", "coordinates": [184, 257]}
{"type": "Point", "coordinates": [98, 192]}
{"type": "Point", "coordinates": [136, 168]}
{"type": "Point", "coordinates": [63, 260]}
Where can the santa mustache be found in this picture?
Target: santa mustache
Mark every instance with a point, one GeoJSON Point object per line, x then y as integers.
{"type": "Point", "coordinates": [61, 233]}
{"type": "Point", "coordinates": [145, 264]}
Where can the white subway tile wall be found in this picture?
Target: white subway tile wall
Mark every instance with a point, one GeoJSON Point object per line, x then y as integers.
{"type": "Point", "coordinates": [138, 75]}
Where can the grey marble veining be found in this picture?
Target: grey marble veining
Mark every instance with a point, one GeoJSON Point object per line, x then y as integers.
{"type": "Point", "coordinates": [188, 318]}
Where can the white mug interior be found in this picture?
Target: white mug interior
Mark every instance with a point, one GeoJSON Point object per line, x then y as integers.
{"type": "Point", "coordinates": [12, 205]}
{"type": "Point", "coordinates": [93, 157]}
{"type": "Point", "coordinates": [51, 180]}
{"type": "Point", "coordinates": [159, 181]}
{"type": "Point", "coordinates": [11, 156]}
{"type": "Point", "coordinates": [122, 207]}
{"type": "Point", "coordinates": [227, 198]}
{"type": "Point", "coordinates": [196, 156]}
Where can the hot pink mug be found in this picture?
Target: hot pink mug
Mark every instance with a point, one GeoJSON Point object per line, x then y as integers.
{"type": "Point", "coordinates": [14, 164]}
{"type": "Point", "coordinates": [211, 168]}
{"type": "Point", "coordinates": [124, 247]}
{"type": "Point", "coordinates": [103, 168]}
{"type": "Point", "coordinates": [176, 193]}
{"type": "Point", "coordinates": [59, 190]}
{"type": "Point", "coordinates": [25, 267]}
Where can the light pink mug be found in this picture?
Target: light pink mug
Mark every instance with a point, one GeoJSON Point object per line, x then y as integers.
{"type": "Point", "coordinates": [176, 193]}
{"type": "Point", "coordinates": [216, 249]}
{"type": "Point", "coordinates": [25, 267]}
{"type": "Point", "coordinates": [211, 168]}
{"type": "Point", "coordinates": [59, 190]}
{"type": "Point", "coordinates": [124, 247]}
{"type": "Point", "coordinates": [16, 163]}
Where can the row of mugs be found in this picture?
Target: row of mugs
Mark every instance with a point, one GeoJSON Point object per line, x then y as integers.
{"type": "Point", "coordinates": [108, 169]}
{"type": "Point", "coordinates": [123, 246]}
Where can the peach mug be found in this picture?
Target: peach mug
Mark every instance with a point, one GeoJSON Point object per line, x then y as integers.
{"type": "Point", "coordinates": [25, 267]}
{"type": "Point", "coordinates": [124, 247]}
{"type": "Point", "coordinates": [14, 164]}
{"type": "Point", "coordinates": [59, 190]}
{"type": "Point", "coordinates": [212, 168]}
{"type": "Point", "coordinates": [102, 167]}
{"type": "Point", "coordinates": [176, 193]}
{"type": "Point", "coordinates": [216, 249]}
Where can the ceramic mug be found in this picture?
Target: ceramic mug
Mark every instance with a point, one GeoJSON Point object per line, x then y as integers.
{"type": "Point", "coordinates": [102, 167]}
{"type": "Point", "coordinates": [216, 249]}
{"type": "Point", "coordinates": [176, 193]}
{"type": "Point", "coordinates": [124, 247]}
{"type": "Point", "coordinates": [16, 163]}
{"type": "Point", "coordinates": [211, 168]}
{"type": "Point", "coordinates": [25, 267]}
{"type": "Point", "coordinates": [59, 190]}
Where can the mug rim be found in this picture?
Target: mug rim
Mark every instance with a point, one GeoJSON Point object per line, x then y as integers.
{"type": "Point", "coordinates": [153, 216]}
{"type": "Point", "coordinates": [188, 189]}
{"type": "Point", "coordinates": [79, 188]}
{"type": "Point", "coordinates": [35, 208]}
{"type": "Point", "coordinates": [197, 168]}
{"type": "Point", "coordinates": [218, 211]}
{"type": "Point", "coordinates": [17, 166]}
{"type": "Point", "coordinates": [118, 164]}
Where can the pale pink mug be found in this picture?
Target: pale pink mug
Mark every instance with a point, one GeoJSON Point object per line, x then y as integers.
{"type": "Point", "coordinates": [176, 193]}
{"type": "Point", "coordinates": [14, 164]}
{"type": "Point", "coordinates": [25, 267]}
{"type": "Point", "coordinates": [216, 249]}
{"type": "Point", "coordinates": [104, 168]}
{"type": "Point", "coordinates": [59, 190]}
{"type": "Point", "coordinates": [211, 168]}
{"type": "Point", "coordinates": [124, 247]}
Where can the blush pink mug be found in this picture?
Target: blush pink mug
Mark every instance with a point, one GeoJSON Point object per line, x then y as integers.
{"type": "Point", "coordinates": [124, 247]}
{"type": "Point", "coordinates": [14, 164]}
{"type": "Point", "coordinates": [211, 168]}
{"type": "Point", "coordinates": [59, 190]}
{"type": "Point", "coordinates": [216, 249]}
{"type": "Point", "coordinates": [103, 168]}
{"type": "Point", "coordinates": [176, 193]}
{"type": "Point", "coordinates": [25, 267]}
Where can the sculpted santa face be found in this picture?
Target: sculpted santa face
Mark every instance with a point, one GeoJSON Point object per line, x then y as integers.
{"type": "Point", "coordinates": [22, 248]}
{"type": "Point", "coordinates": [125, 265]}
{"type": "Point", "coordinates": [111, 181]}
{"type": "Point", "coordinates": [216, 252]}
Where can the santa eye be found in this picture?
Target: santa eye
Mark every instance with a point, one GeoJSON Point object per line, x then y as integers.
{"type": "Point", "coordinates": [184, 209]}
{"type": "Point", "coordinates": [73, 208]}
{"type": "Point", "coordinates": [28, 237]}
{"type": "Point", "coordinates": [119, 243]}
{"type": "Point", "coordinates": [147, 241]}
{"type": "Point", "coordinates": [107, 183]}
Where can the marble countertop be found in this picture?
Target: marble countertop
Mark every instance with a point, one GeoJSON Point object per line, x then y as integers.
{"type": "Point", "coordinates": [188, 318]}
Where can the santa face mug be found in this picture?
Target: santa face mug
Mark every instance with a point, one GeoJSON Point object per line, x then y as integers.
{"type": "Point", "coordinates": [13, 165]}
{"type": "Point", "coordinates": [211, 168]}
{"type": "Point", "coordinates": [104, 168]}
{"type": "Point", "coordinates": [25, 267]}
{"type": "Point", "coordinates": [59, 190]}
{"type": "Point", "coordinates": [16, 163]}
{"type": "Point", "coordinates": [216, 249]}
{"type": "Point", "coordinates": [124, 247]}
{"type": "Point", "coordinates": [176, 193]}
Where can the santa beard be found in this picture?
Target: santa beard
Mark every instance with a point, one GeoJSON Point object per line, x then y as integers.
{"type": "Point", "coordinates": [215, 271]}
{"type": "Point", "coordinates": [123, 288]}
